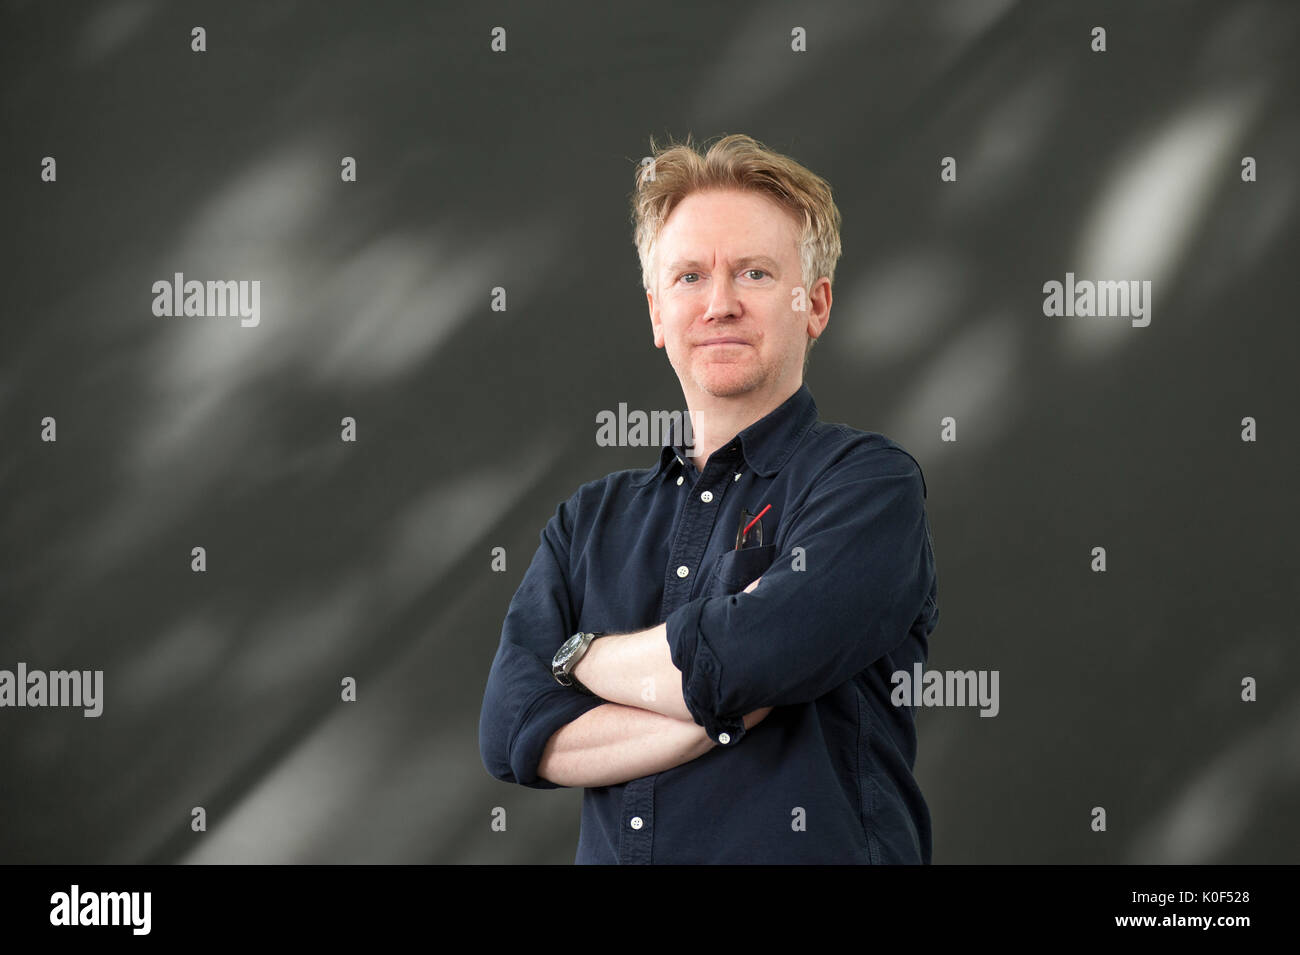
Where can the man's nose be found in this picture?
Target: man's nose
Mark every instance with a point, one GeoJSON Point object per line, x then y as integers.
{"type": "Point", "coordinates": [724, 301]}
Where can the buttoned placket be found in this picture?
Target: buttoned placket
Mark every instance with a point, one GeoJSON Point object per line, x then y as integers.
{"type": "Point", "coordinates": [700, 509]}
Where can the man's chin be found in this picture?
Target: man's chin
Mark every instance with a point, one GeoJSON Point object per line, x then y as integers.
{"type": "Point", "coordinates": [725, 383]}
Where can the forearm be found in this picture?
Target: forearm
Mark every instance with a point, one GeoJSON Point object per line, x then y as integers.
{"type": "Point", "coordinates": [635, 669]}
{"type": "Point", "coordinates": [615, 743]}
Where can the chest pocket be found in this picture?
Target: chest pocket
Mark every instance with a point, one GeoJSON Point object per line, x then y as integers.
{"type": "Point", "coordinates": [735, 570]}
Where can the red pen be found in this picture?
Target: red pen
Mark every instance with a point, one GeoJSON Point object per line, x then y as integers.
{"type": "Point", "coordinates": [740, 538]}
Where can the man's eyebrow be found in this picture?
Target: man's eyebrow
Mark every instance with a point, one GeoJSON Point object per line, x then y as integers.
{"type": "Point", "coordinates": [742, 261]}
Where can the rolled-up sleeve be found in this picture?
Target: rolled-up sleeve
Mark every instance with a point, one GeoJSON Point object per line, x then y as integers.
{"type": "Point", "coordinates": [522, 704]}
{"type": "Point", "coordinates": [822, 614]}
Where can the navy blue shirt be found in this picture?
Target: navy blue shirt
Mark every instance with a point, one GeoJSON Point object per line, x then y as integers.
{"type": "Point", "coordinates": [848, 597]}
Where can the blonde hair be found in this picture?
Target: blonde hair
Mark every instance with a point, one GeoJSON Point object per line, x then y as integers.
{"type": "Point", "coordinates": [739, 162]}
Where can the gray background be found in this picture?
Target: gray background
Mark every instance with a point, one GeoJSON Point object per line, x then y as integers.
{"type": "Point", "coordinates": [479, 170]}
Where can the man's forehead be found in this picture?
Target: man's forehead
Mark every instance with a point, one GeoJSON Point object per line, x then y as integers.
{"type": "Point", "coordinates": [693, 233]}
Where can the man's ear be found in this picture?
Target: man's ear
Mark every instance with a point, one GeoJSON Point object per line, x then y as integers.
{"type": "Point", "coordinates": [656, 326]}
{"type": "Point", "coordinates": [819, 307]}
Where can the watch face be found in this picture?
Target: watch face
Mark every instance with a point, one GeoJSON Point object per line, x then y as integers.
{"type": "Point", "coordinates": [566, 651]}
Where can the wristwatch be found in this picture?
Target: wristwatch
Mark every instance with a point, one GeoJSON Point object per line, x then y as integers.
{"type": "Point", "coordinates": [567, 657]}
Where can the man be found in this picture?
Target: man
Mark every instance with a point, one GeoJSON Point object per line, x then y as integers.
{"type": "Point", "coordinates": [706, 644]}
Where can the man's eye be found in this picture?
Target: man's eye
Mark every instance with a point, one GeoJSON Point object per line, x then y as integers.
{"type": "Point", "coordinates": [760, 273]}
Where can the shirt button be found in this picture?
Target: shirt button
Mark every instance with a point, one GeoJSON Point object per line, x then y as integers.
{"type": "Point", "coordinates": [683, 570]}
{"type": "Point", "coordinates": [736, 478]}
{"type": "Point", "coordinates": [637, 822]}
{"type": "Point", "coordinates": [724, 738]}
{"type": "Point", "coordinates": [706, 496]}
{"type": "Point", "coordinates": [680, 479]}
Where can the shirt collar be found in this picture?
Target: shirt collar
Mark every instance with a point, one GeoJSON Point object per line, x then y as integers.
{"type": "Point", "coordinates": [766, 444]}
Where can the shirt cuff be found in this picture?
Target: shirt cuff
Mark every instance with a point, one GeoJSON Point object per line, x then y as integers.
{"type": "Point", "coordinates": [701, 674]}
{"type": "Point", "coordinates": [552, 708]}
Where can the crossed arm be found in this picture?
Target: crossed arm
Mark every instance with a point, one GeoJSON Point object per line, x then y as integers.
{"type": "Point", "coordinates": [865, 523]}
{"type": "Point", "coordinates": [645, 728]}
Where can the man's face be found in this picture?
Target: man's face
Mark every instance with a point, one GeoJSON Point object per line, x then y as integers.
{"type": "Point", "coordinates": [721, 300]}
